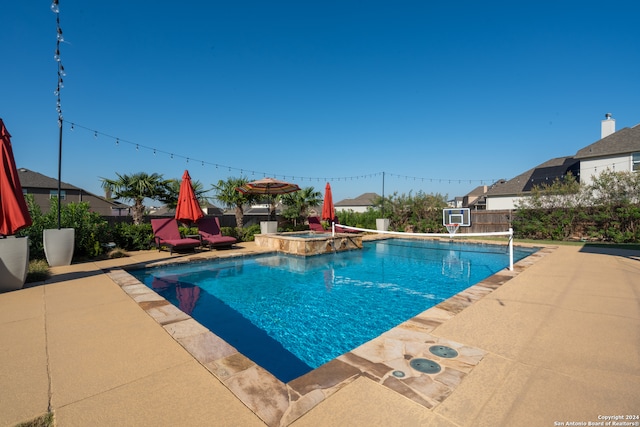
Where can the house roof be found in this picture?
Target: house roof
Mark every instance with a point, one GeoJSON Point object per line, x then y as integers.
{"type": "Point", "coordinates": [365, 199]}
{"type": "Point", "coordinates": [626, 140]}
{"type": "Point", "coordinates": [546, 172]}
{"type": "Point", "coordinates": [31, 179]}
{"type": "Point", "coordinates": [478, 191]}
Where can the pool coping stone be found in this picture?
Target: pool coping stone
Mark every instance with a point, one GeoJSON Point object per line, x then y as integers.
{"type": "Point", "coordinates": [280, 404]}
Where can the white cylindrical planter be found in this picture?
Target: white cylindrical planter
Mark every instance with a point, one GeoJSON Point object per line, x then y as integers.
{"type": "Point", "coordinates": [268, 227]}
{"type": "Point", "coordinates": [59, 245]}
{"type": "Point", "coordinates": [382, 224]}
{"type": "Point", "coordinates": [14, 263]}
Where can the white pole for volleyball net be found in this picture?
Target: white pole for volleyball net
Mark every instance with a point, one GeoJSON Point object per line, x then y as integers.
{"type": "Point", "coordinates": [449, 235]}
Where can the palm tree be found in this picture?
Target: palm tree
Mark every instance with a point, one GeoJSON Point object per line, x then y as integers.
{"type": "Point", "coordinates": [227, 194]}
{"type": "Point", "coordinates": [298, 203]}
{"type": "Point", "coordinates": [173, 190]}
{"type": "Point", "coordinates": [136, 188]}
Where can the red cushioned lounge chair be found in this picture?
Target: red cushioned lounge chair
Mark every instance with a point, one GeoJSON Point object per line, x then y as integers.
{"type": "Point", "coordinates": [166, 234]}
{"type": "Point", "coordinates": [316, 225]}
{"type": "Point", "coordinates": [340, 229]}
{"type": "Point", "coordinates": [210, 234]}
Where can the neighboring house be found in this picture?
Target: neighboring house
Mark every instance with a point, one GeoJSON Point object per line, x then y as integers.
{"type": "Point", "coordinates": [615, 151]}
{"type": "Point", "coordinates": [507, 194]}
{"type": "Point", "coordinates": [359, 204]}
{"type": "Point", "coordinates": [476, 199]}
{"type": "Point", "coordinates": [456, 202]}
{"type": "Point", "coordinates": [44, 189]}
{"type": "Point", "coordinates": [208, 209]}
{"type": "Point", "coordinates": [618, 152]}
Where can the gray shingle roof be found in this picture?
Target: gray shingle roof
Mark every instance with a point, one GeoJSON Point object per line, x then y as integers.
{"type": "Point", "coordinates": [546, 172]}
{"type": "Point", "coordinates": [365, 199]}
{"type": "Point", "coordinates": [624, 141]}
{"type": "Point", "coordinates": [30, 179]}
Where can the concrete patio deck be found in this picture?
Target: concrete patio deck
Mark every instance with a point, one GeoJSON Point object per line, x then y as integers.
{"type": "Point", "coordinates": [561, 342]}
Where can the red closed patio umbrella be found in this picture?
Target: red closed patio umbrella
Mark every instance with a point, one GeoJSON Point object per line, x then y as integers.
{"type": "Point", "coordinates": [328, 210]}
{"type": "Point", "coordinates": [14, 214]}
{"type": "Point", "coordinates": [188, 297]}
{"type": "Point", "coordinates": [188, 209]}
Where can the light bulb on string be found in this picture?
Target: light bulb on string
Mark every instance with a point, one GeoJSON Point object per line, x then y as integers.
{"type": "Point", "coordinates": [117, 141]}
{"type": "Point", "coordinates": [137, 147]}
{"type": "Point", "coordinates": [54, 7]}
{"type": "Point", "coordinates": [95, 134]}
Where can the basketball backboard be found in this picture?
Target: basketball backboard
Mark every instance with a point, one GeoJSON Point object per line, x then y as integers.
{"type": "Point", "coordinates": [461, 216]}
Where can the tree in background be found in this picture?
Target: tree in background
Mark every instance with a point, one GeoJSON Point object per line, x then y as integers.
{"type": "Point", "coordinates": [227, 194]}
{"type": "Point", "coordinates": [606, 210]}
{"type": "Point", "coordinates": [615, 197]}
{"type": "Point", "coordinates": [421, 212]}
{"type": "Point", "coordinates": [136, 188]}
{"type": "Point", "coordinates": [552, 210]}
{"type": "Point", "coordinates": [298, 203]}
{"type": "Point", "coordinates": [173, 190]}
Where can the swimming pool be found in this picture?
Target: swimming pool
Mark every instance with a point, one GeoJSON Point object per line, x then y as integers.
{"type": "Point", "coordinates": [291, 314]}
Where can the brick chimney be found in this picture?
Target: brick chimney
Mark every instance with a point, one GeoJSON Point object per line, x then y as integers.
{"type": "Point", "coordinates": [608, 126]}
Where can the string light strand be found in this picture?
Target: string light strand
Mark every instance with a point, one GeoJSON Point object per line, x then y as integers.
{"type": "Point", "coordinates": [157, 151]}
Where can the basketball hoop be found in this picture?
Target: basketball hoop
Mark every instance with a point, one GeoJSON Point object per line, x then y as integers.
{"type": "Point", "coordinates": [452, 228]}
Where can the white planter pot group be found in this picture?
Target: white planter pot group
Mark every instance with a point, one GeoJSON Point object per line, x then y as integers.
{"type": "Point", "coordinates": [382, 224]}
{"type": "Point", "coordinates": [59, 245]}
{"type": "Point", "coordinates": [14, 262]}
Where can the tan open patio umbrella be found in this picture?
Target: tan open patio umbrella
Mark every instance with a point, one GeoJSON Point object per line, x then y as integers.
{"type": "Point", "coordinates": [268, 187]}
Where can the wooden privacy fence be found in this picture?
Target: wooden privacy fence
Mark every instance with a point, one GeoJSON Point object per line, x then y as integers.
{"type": "Point", "coordinates": [488, 221]}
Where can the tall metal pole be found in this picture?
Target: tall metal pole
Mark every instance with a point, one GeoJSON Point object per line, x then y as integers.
{"type": "Point", "coordinates": [382, 208]}
{"type": "Point", "coordinates": [59, 170]}
{"type": "Point", "coordinates": [56, 9]}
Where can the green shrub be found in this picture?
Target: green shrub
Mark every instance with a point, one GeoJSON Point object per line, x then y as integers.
{"type": "Point", "coordinates": [132, 237]}
{"type": "Point", "coordinates": [91, 230]}
{"type": "Point", "coordinates": [46, 420]}
{"type": "Point", "coordinates": [38, 271]}
{"type": "Point", "coordinates": [232, 231]}
{"type": "Point", "coordinates": [117, 253]}
{"type": "Point", "coordinates": [248, 233]}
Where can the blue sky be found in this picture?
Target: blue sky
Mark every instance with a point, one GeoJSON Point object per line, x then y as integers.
{"type": "Point", "coordinates": [440, 96]}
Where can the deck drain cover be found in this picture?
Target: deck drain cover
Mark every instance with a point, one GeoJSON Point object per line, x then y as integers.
{"type": "Point", "coordinates": [425, 365]}
{"type": "Point", "coordinates": [443, 351]}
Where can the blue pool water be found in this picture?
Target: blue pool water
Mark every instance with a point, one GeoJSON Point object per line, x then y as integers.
{"type": "Point", "coordinates": [291, 314]}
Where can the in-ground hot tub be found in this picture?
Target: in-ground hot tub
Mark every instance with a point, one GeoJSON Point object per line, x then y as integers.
{"type": "Point", "coordinates": [308, 243]}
